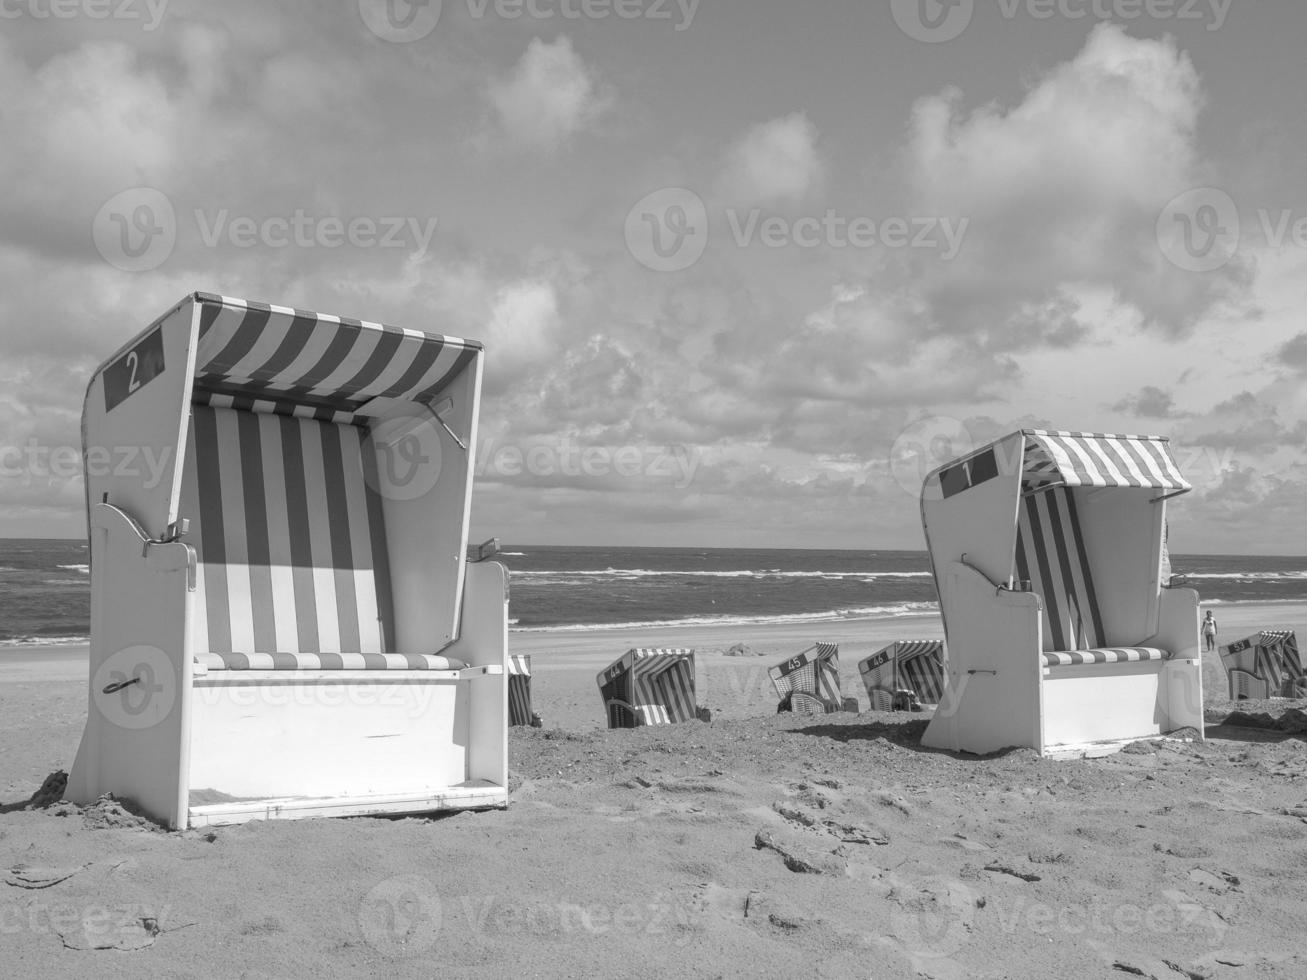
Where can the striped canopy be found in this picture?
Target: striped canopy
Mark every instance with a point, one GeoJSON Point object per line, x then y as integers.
{"type": "Point", "coordinates": [258, 357]}
{"type": "Point", "coordinates": [1085, 459]}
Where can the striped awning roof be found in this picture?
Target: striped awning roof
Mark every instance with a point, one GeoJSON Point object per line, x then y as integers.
{"type": "Point", "coordinates": [280, 359]}
{"type": "Point", "coordinates": [1087, 459]}
{"type": "Point", "coordinates": [658, 657]}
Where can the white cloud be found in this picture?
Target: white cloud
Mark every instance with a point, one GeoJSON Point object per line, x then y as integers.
{"type": "Point", "coordinates": [549, 96]}
{"type": "Point", "coordinates": [774, 163]}
{"type": "Point", "coordinates": [519, 330]}
{"type": "Point", "coordinates": [1064, 190]}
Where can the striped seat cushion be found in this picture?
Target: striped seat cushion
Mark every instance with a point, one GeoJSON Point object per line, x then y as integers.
{"type": "Point", "coordinates": [1104, 655]}
{"type": "Point", "coordinates": [326, 661]}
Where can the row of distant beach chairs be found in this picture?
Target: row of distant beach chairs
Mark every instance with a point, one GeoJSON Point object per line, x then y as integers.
{"type": "Point", "coordinates": [656, 685]}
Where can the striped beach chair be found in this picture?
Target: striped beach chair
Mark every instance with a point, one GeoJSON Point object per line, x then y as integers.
{"type": "Point", "coordinates": [809, 682]}
{"type": "Point", "coordinates": [519, 691]}
{"type": "Point", "coordinates": [1062, 631]}
{"type": "Point", "coordinates": [649, 686]}
{"type": "Point", "coordinates": [290, 580]}
{"type": "Point", "coordinates": [906, 671]}
{"type": "Point", "coordinates": [1264, 665]}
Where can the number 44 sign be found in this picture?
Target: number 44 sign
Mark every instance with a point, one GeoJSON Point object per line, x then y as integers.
{"type": "Point", "coordinates": [136, 367]}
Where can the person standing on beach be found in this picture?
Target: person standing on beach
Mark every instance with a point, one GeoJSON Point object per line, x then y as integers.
{"type": "Point", "coordinates": [1209, 631]}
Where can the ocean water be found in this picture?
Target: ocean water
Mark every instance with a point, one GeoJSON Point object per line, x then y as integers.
{"type": "Point", "coordinates": [45, 586]}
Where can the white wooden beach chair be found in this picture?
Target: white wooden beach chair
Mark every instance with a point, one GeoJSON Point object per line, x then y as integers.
{"type": "Point", "coordinates": [1061, 634]}
{"type": "Point", "coordinates": [284, 622]}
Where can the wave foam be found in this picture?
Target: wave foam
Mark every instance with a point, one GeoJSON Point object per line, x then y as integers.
{"type": "Point", "coordinates": [631, 573]}
{"type": "Point", "coordinates": [830, 616]}
{"type": "Point", "coordinates": [45, 641]}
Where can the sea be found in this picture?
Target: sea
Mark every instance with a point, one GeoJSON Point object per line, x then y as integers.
{"type": "Point", "coordinates": [45, 586]}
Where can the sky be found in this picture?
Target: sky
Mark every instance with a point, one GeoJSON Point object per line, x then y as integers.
{"type": "Point", "coordinates": [745, 270]}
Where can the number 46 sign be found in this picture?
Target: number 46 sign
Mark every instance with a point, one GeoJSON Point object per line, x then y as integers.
{"type": "Point", "coordinates": [136, 367]}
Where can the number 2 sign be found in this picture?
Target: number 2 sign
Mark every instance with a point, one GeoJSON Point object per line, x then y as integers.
{"type": "Point", "coordinates": [125, 376]}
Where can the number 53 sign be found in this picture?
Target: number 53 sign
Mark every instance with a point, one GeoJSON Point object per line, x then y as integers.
{"type": "Point", "coordinates": [136, 367]}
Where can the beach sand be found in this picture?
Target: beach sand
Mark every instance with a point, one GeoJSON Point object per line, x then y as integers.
{"type": "Point", "coordinates": [758, 845]}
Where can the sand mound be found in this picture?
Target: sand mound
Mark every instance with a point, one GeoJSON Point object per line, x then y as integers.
{"type": "Point", "coordinates": [105, 813]}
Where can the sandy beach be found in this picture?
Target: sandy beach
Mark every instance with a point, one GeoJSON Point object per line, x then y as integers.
{"type": "Point", "coordinates": [758, 845]}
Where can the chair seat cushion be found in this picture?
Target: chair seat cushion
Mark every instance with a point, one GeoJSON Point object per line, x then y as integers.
{"type": "Point", "coordinates": [1105, 655]}
{"type": "Point", "coordinates": [327, 661]}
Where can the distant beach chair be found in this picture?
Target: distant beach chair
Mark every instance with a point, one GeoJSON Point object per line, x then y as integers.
{"type": "Point", "coordinates": [284, 622]}
{"type": "Point", "coordinates": [1061, 633]}
{"type": "Point", "coordinates": [809, 682]}
{"type": "Point", "coordinates": [906, 675]}
{"type": "Point", "coordinates": [649, 686]}
{"type": "Point", "coordinates": [1264, 665]}
{"type": "Point", "coordinates": [519, 692]}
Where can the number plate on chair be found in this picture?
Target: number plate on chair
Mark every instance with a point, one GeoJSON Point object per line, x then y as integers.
{"type": "Point", "coordinates": [136, 367]}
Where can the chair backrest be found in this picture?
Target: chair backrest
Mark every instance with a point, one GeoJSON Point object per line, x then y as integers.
{"type": "Point", "coordinates": [290, 542]}
{"type": "Point", "coordinates": [665, 691]}
{"type": "Point", "coordinates": [1051, 555]}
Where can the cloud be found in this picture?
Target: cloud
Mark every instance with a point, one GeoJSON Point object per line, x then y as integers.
{"type": "Point", "coordinates": [774, 163]}
{"type": "Point", "coordinates": [520, 328]}
{"type": "Point", "coordinates": [1293, 353]}
{"type": "Point", "coordinates": [1063, 191]}
{"type": "Point", "coordinates": [1246, 511]}
{"type": "Point", "coordinates": [1248, 423]}
{"type": "Point", "coordinates": [548, 97]}
{"type": "Point", "coordinates": [1149, 402]}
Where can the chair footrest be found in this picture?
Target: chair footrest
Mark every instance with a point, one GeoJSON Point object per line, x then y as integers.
{"type": "Point", "coordinates": [1104, 655]}
{"type": "Point", "coordinates": [475, 794]}
{"type": "Point", "coordinates": [327, 661]}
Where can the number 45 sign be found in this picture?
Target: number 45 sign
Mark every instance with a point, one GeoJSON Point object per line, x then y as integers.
{"type": "Point", "coordinates": [136, 367]}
